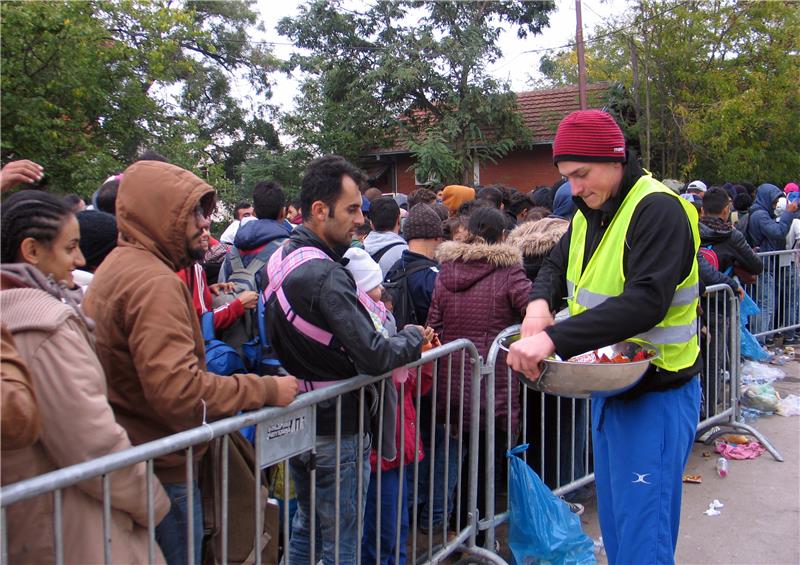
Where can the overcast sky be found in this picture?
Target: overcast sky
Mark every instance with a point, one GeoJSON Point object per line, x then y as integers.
{"type": "Point", "coordinates": [515, 66]}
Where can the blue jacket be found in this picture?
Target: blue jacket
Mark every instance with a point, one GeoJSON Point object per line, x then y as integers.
{"type": "Point", "coordinates": [420, 283]}
{"type": "Point", "coordinates": [762, 229]}
{"type": "Point", "coordinates": [250, 238]}
{"type": "Point", "coordinates": [563, 204]}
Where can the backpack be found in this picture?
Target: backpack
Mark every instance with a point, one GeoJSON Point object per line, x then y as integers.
{"type": "Point", "coordinates": [248, 334]}
{"type": "Point", "coordinates": [710, 255]}
{"type": "Point", "coordinates": [707, 251]}
{"type": "Point", "coordinates": [396, 285]}
{"type": "Point", "coordinates": [741, 225]}
{"type": "Point", "coordinates": [382, 251]}
{"type": "Point", "coordinates": [221, 358]}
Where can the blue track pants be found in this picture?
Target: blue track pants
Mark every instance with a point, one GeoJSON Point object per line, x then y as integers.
{"type": "Point", "coordinates": [640, 450]}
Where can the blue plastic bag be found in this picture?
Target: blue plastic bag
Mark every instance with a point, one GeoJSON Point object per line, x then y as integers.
{"type": "Point", "coordinates": [750, 347]}
{"type": "Point", "coordinates": [541, 527]}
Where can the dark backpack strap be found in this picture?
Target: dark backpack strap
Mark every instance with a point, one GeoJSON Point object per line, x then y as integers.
{"type": "Point", "coordinates": [382, 251]}
{"type": "Point", "coordinates": [397, 274]}
{"type": "Point", "coordinates": [236, 261]}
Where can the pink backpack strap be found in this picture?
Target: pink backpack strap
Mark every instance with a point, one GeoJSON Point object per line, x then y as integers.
{"type": "Point", "coordinates": [279, 268]}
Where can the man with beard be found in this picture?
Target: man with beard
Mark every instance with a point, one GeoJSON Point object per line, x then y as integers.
{"type": "Point", "coordinates": [322, 331]}
{"type": "Point", "coordinates": [149, 339]}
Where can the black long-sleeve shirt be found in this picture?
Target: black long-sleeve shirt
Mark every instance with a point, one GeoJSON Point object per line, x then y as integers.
{"type": "Point", "coordinates": [659, 254]}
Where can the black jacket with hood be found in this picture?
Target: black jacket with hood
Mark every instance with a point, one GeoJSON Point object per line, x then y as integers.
{"type": "Point", "coordinates": [324, 294]}
{"type": "Point", "coordinates": [730, 246]}
{"type": "Point", "coordinates": [659, 254]}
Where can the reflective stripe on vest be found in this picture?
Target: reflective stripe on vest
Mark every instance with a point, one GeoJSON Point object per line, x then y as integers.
{"type": "Point", "coordinates": [682, 297]}
{"type": "Point", "coordinates": [676, 335]}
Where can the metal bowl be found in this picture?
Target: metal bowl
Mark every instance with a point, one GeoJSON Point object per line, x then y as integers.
{"type": "Point", "coordinates": [585, 380]}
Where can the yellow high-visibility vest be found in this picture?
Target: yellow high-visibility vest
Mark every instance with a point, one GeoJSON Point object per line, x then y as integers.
{"type": "Point", "coordinates": [675, 337]}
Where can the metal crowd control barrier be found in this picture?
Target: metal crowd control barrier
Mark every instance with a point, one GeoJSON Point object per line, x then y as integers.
{"type": "Point", "coordinates": [283, 433]}
{"type": "Point", "coordinates": [445, 514]}
{"type": "Point", "coordinates": [720, 341]}
{"type": "Point", "coordinates": [777, 293]}
{"type": "Point", "coordinates": [558, 430]}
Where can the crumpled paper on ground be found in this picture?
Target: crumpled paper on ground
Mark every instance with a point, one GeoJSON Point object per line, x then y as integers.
{"type": "Point", "coordinates": [748, 451]}
{"type": "Point", "coordinates": [713, 508]}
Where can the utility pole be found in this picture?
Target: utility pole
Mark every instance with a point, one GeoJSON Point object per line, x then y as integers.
{"type": "Point", "coordinates": [581, 60]}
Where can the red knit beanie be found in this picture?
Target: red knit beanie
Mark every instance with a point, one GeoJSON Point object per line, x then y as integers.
{"type": "Point", "coordinates": [589, 136]}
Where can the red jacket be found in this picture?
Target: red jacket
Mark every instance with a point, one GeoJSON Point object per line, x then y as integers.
{"type": "Point", "coordinates": [409, 418]}
{"type": "Point", "coordinates": [194, 277]}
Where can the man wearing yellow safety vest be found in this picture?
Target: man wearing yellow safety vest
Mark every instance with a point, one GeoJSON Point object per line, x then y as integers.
{"type": "Point", "coordinates": [628, 270]}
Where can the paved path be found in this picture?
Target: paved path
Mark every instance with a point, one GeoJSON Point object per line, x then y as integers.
{"type": "Point", "coordinates": [760, 523]}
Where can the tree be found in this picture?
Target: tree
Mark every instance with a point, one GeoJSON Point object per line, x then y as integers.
{"type": "Point", "coordinates": [713, 85]}
{"type": "Point", "coordinates": [375, 79]}
{"type": "Point", "coordinates": [87, 85]}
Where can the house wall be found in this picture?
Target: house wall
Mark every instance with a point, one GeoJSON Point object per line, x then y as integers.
{"type": "Point", "coordinates": [522, 169]}
{"type": "Point", "coordinates": [405, 178]}
{"type": "Point", "coordinates": [398, 175]}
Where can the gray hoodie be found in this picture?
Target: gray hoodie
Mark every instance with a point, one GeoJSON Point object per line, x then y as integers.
{"type": "Point", "coordinates": [377, 240]}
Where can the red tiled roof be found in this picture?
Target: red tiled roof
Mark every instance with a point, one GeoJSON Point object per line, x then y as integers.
{"type": "Point", "coordinates": [541, 111]}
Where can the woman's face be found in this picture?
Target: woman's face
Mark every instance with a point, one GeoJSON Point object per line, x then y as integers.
{"type": "Point", "coordinates": [64, 254]}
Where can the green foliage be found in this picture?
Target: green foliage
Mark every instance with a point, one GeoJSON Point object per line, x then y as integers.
{"type": "Point", "coordinates": [284, 167]}
{"type": "Point", "coordinates": [719, 79]}
{"type": "Point", "coordinates": [88, 85]}
{"type": "Point", "coordinates": [434, 160]}
{"type": "Point", "coordinates": [374, 80]}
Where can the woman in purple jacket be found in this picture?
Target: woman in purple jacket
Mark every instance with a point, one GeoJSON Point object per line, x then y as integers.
{"type": "Point", "coordinates": [481, 289]}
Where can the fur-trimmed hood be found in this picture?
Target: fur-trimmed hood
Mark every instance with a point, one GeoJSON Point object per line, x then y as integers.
{"type": "Point", "coordinates": [535, 239]}
{"type": "Point", "coordinates": [464, 264]}
{"type": "Point", "coordinates": [499, 255]}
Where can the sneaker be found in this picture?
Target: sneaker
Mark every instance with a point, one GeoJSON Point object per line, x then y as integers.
{"type": "Point", "coordinates": [794, 340]}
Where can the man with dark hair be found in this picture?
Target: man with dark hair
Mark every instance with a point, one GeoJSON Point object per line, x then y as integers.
{"type": "Point", "coordinates": [312, 295]}
{"type": "Point", "coordinates": [519, 205]}
{"type": "Point", "coordinates": [385, 244]}
{"type": "Point", "coordinates": [107, 195]}
{"type": "Point", "coordinates": [491, 194]}
{"type": "Point", "coordinates": [149, 339]}
{"type": "Point", "coordinates": [241, 211]}
{"type": "Point", "coordinates": [269, 201]}
{"type": "Point", "coordinates": [258, 239]}
{"type": "Point", "coordinates": [718, 236]}
{"type": "Point", "coordinates": [75, 202]}
{"type": "Point", "coordinates": [421, 196]}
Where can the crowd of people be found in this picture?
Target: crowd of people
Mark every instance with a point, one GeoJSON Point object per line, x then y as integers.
{"type": "Point", "coordinates": [111, 313]}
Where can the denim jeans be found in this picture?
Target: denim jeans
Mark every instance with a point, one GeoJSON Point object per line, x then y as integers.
{"type": "Point", "coordinates": [325, 500]}
{"type": "Point", "coordinates": [438, 506]}
{"type": "Point", "coordinates": [390, 490]}
{"type": "Point", "coordinates": [765, 298]}
{"type": "Point", "coordinates": [171, 533]}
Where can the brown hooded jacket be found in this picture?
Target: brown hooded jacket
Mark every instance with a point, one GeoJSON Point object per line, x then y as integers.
{"type": "Point", "coordinates": [148, 336]}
